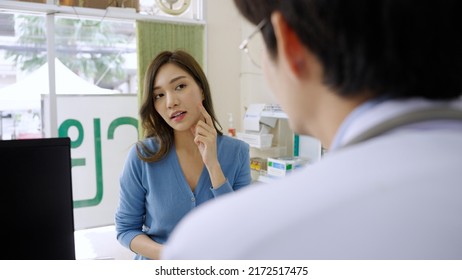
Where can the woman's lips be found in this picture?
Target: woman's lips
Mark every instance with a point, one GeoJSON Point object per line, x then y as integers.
{"type": "Point", "coordinates": [178, 116]}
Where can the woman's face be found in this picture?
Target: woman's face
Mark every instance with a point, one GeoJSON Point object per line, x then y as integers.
{"type": "Point", "coordinates": [176, 97]}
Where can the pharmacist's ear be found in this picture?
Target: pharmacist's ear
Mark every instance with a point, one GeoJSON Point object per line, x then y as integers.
{"type": "Point", "coordinates": [291, 52]}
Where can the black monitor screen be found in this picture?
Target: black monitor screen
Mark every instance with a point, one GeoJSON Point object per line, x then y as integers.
{"type": "Point", "coordinates": [36, 205]}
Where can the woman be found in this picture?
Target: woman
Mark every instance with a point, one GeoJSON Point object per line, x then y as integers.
{"type": "Point", "coordinates": [184, 161]}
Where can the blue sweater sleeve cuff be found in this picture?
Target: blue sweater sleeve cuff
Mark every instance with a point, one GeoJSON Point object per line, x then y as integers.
{"type": "Point", "coordinates": [126, 238]}
{"type": "Point", "coordinates": [224, 188]}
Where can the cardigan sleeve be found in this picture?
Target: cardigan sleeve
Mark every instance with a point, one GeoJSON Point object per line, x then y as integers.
{"type": "Point", "coordinates": [131, 209]}
{"type": "Point", "coordinates": [224, 188]}
{"type": "Point", "coordinates": [242, 177]}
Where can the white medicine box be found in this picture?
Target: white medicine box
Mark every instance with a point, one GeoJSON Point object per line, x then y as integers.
{"type": "Point", "coordinates": [256, 140]}
{"type": "Point", "coordinates": [284, 165]}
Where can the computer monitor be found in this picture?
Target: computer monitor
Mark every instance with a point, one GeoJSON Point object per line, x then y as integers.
{"type": "Point", "coordinates": [36, 204]}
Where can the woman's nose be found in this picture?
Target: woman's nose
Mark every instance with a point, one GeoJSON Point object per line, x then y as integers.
{"type": "Point", "coordinates": [172, 100]}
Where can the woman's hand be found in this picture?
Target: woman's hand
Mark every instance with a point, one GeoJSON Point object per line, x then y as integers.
{"type": "Point", "coordinates": [205, 137]}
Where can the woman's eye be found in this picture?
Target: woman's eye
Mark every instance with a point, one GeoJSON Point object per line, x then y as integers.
{"type": "Point", "coordinates": [158, 95]}
{"type": "Point", "coordinates": [180, 87]}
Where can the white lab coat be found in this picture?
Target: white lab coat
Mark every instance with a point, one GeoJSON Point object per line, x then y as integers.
{"type": "Point", "coordinates": [396, 196]}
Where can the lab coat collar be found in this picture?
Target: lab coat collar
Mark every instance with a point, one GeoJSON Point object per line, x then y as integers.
{"type": "Point", "coordinates": [375, 111]}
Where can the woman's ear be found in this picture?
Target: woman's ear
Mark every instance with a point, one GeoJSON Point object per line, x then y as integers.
{"type": "Point", "coordinates": [290, 51]}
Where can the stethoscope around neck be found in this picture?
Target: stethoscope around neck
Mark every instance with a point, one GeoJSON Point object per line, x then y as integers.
{"type": "Point", "coordinates": [429, 114]}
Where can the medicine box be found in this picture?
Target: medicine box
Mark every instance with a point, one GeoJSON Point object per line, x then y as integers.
{"type": "Point", "coordinates": [256, 140]}
{"type": "Point", "coordinates": [284, 165]}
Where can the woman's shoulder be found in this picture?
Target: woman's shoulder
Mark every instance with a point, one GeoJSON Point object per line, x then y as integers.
{"type": "Point", "coordinates": [150, 142]}
{"type": "Point", "coordinates": [146, 146]}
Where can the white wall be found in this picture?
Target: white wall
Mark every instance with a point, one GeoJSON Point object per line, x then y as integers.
{"type": "Point", "coordinates": [234, 80]}
{"type": "Point", "coordinates": [254, 88]}
{"type": "Point", "coordinates": [223, 59]}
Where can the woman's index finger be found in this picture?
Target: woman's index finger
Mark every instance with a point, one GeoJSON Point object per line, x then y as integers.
{"type": "Point", "coordinates": [208, 118]}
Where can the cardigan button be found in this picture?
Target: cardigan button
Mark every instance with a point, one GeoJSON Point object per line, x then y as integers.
{"type": "Point", "coordinates": [193, 199]}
